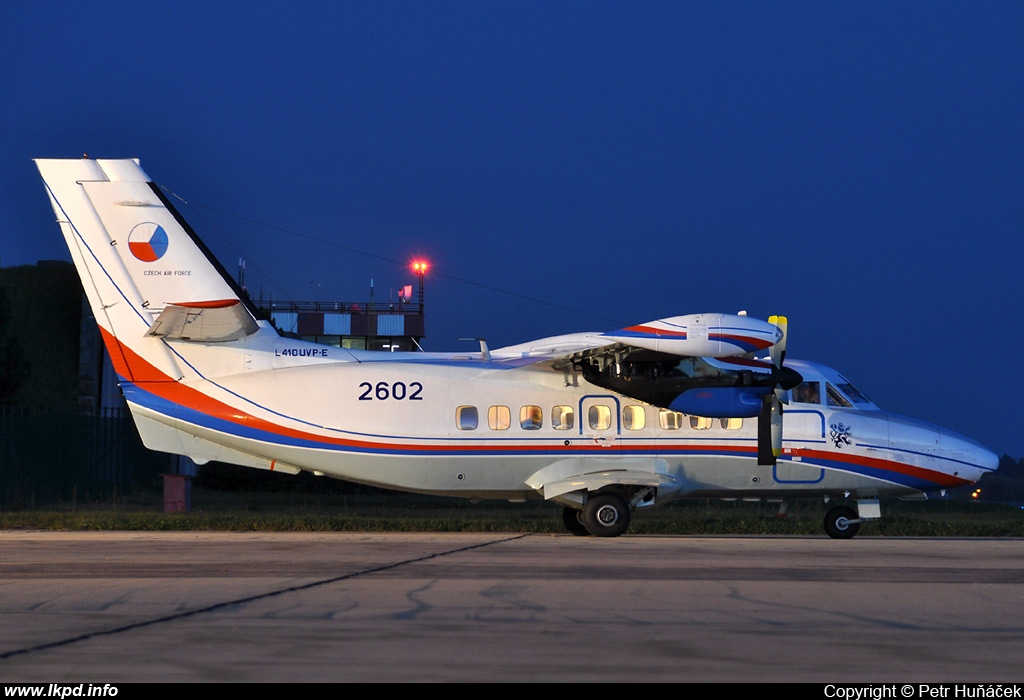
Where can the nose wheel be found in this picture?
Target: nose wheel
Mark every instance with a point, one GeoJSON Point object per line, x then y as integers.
{"type": "Point", "coordinates": [841, 523]}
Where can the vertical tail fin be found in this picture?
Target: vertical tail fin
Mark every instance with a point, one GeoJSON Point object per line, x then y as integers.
{"type": "Point", "coordinates": [146, 274]}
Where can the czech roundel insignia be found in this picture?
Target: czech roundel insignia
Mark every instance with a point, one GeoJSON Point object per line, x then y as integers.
{"type": "Point", "coordinates": [148, 242]}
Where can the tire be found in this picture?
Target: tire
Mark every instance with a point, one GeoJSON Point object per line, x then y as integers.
{"type": "Point", "coordinates": [573, 521]}
{"type": "Point", "coordinates": [606, 515]}
{"type": "Point", "coordinates": [838, 523]}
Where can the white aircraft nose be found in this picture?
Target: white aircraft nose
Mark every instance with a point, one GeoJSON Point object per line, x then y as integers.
{"type": "Point", "coordinates": [959, 455]}
{"type": "Point", "coordinates": [968, 451]}
{"type": "Point", "coordinates": [983, 457]}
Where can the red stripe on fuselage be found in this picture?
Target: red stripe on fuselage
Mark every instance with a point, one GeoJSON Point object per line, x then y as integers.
{"type": "Point", "coordinates": [940, 479]}
{"type": "Point", "coordinates": [128, 364]}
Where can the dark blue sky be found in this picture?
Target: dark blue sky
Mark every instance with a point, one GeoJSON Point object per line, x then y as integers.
{"type": "Point", "coordinates": [856, 166]}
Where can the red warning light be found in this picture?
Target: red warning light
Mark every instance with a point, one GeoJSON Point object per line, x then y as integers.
{"type": "Point", "coordinates": [420, 268]}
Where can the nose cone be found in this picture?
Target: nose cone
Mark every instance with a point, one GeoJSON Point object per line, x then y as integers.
{"type": "Point", "coordinates": [930, 446]}
{"type": "Point", "coordinates": [968, 451]}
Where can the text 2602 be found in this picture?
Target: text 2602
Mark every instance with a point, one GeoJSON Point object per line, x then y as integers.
{"type": "Point", "coordinates": [382, 391]}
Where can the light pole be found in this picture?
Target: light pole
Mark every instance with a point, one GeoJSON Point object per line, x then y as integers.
{"type": "Point", "coordinates": [420, 268]}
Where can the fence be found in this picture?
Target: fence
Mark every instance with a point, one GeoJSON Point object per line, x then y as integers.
{"type": "Point", "coordinates": [65, 457]}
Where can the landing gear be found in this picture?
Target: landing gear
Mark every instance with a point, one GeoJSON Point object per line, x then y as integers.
{"type": "Point", "coordinates": [606, 515]}
{"type": "Point", "coordinates": [573, 521]}
{"type": "Point", "coordinates": [841, 523]}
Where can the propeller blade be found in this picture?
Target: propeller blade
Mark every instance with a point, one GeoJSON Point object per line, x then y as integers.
{"type": "Point", "coordinates": [776, 425]}
{"type": "Point", "coordinates": [778, 351]}
{"type": "Point", "coordinates": [765, 452]}
{"type": "Point", "coordinates": [786, 379]}
{"type": "Point", "coordinates": [769, 422]}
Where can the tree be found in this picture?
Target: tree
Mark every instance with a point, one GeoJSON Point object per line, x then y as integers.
{"type": "Point", "coordinates": [40, 326]}
{"type": "Point", "coordinates": [13, 367]}
{"type": "Point", "coordinates": [1006, 483]}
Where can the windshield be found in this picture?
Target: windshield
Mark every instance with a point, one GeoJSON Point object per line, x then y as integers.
{"type": "Point", "coordinates": [835, 398]}
{"type": "Point", "coordinates": [807, 392]}
{"type": "Point", "coordinates": [853, 392]}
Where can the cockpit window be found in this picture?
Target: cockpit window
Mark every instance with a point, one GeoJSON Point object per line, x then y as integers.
{"type": "Point", "coordinates": [853, 392]}
{"type": "Point", "coordinates": [808, 392]}
{"type": "Point", "coordinates": [835, 398]}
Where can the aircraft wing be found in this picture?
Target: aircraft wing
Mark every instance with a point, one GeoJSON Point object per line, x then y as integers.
{"type": "Point", "coordinates": [694, 335]}
{"type": "Point", "coordinates": [700, 365]}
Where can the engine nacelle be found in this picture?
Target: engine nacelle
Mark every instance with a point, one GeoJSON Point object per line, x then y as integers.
{"type": "Point", "coordinates": [722, 402]}
{"type": "Point", "coordinates": [701, 335]}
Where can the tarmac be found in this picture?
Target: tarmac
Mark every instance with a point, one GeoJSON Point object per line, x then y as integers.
{"type": "Point", "coordinates": [121, 607]}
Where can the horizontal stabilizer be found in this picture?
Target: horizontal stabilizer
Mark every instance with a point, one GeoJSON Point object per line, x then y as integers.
{"type": "Point", "coordinates": [204, 322]}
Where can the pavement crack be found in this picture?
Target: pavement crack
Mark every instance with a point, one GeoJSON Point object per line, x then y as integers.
{"type": "Point", "coordinates": [248, 599]}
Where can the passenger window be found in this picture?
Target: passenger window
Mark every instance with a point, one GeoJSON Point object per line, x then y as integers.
{"type": "Point", "coordinates": [835, 398]}
{"type": "Point", "coordinates": [669, 420]}
{"type": "Point", "coordinates": [530, 418]}
{"type": "Point", "coordinates": [562, 417]}
{"type": "Point", "coordinates": [808, 392]}
{"type": "Point", "coordinates": [634, 417]}
{"type": "Point", "coordinates": [499, 417]}
{"type": "Point", "coordinates": [466, 417]}
{"type": "Point", "coordinates": [732, 423]}
{"type": "Point", "coordinates": [600, 417]}
{"type": "Point", "coordinates": [700, 423]}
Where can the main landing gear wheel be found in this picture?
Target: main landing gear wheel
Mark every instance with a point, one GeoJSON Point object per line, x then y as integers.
{"type": "Point", "coordinates": [606, 515]}
{"type": "Point", "coordinates": [573, 521]}
{"type": "Point", "coordinates": [841, 523]}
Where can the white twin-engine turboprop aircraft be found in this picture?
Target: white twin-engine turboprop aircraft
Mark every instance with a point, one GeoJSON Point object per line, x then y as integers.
{"type": "Point", "coordinates": [601, 423]}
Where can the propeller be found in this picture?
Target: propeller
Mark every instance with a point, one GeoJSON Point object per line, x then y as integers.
{"type": "Point", "coordinates": [769, 422]}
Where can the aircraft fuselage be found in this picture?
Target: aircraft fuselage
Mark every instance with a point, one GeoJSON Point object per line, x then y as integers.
{"type": "Point", "coordinates": [601, 423]}
{"type": "Point", "coordinates": [458, 424]}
